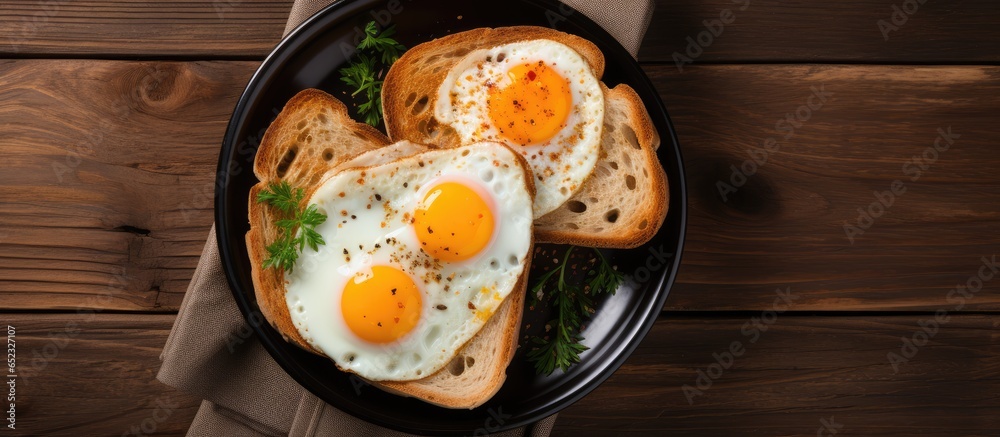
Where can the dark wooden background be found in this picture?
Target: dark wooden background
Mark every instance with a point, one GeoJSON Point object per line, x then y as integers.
{"type": "Point", "coordinates": [107, 209]}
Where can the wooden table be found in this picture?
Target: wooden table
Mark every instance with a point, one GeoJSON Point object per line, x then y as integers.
{"type": "Point", "coordinates": [105, 211]}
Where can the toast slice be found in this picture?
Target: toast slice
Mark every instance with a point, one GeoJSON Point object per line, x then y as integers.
{"type": "Point", "coordinates": [601, 212]}
{"type": "Point", "coordinates": [479, 369]}
{"type": "Point", "coordinates": [314, 138]}
{"type": "Point", "coordinates": [624, 201]}
{"type": "Point", "coordinates": [408, 103]}
{"type": "Point", "coordinates": [312, 135]}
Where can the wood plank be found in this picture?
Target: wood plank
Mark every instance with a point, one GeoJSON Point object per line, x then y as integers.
{"type": "Point", "coordinates": [113, 163]}
{"type": "Point", "coordinates": [766, 31]}
{"type": "Point", "coordinates": [128, 182]}
{"type": "Point", "coordinates": [102, 28]}
{"type": "Point", "coordinates": [94, 375]}
{"type": "Point", "coordinates": [785, 226]}
{"type": "Point", "coordinates": [801, 370]}
{"type": "Point", "coordinates": [818, 31]}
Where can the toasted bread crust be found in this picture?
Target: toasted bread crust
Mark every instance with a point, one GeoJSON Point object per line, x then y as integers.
{"type": "Point", "coordinates": [506, 321]}
{"type": "Point", "coordinates": [642, 214]}
{"type": "Point", "coordinates": [282, 136]}
{"type": "Point", "coordinates": [407, 118]}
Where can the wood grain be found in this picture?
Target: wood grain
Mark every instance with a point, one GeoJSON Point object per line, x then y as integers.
{"type": "Point", "coordinates": [767, 31]}
{"type": "Point", "coordinates": [95, 375]}
{"type": "Point", "coordinates": [113, 29]}
{"type": "Point", "coordinates": [821, 31]}
{"type": "Point", "coordinates": [113, 162]}
{"type": "Point", "coordinates": [113, 165]}
{"type": "Point", "coordinates": [785, 226]}
{"type": "Point", "coordinates": [799, 371]}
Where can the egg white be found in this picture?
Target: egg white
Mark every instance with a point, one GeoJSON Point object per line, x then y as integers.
{"type": "Point", "coordinates": [560, 164]}
{"type": "Point", "coordinates": [482, 282]}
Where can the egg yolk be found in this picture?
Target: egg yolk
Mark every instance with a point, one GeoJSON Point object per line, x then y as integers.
{"type": "Point", "coordinates": [533, 106]}
{"type": "Point", "coordinates": [453, 222]}
{"type": "Point", "coordinates": [382, 307]}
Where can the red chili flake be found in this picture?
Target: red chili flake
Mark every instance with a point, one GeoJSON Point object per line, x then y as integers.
{"type": "Point", "coordinates": [396, 319]}
{"type": "Point", "coordinates": [471, 306]}
{"type": "Point", "coordinates": [531, 75]}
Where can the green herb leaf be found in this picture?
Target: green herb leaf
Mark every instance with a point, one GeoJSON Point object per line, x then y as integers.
{"type": "Point", "coordinates": [296, 229]}
{"type": "Point", "coordinates": [376, 53]}
{"type": "Point", "coordinates": [573, 303]}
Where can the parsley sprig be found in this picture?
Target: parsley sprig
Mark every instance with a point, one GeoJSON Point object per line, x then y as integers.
{"type": "Point", "coordinates": [376, 52]}
{"type": "Point", "coordinates": [573, 303]}
{"type": "Point", "coordinates": [285, 250]}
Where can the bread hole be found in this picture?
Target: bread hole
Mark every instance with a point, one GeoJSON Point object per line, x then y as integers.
{"type": "Point", "coordinates": [431, 127]}
{"type": "Point", "coordinates": [422, 127]}
{"type": "Point", "coordinates": [321, 118]}
{"type": "Point", "coordinates": [420, 106]}
{"type": "Point", "coordinates": [576, 206]}
{"type": "Point", "coordinates": [309, 139]}
{"type": "Point", "coordinates": [469, 361]}
{"type": "Point", "coordinates": [432, 58]}
{"type": "Point", "coordinates": [301, 125]}
{"type": "Point", "coordinates": [327, 154]}
{"type": "Point", "coordinates": [409, 99]}
{"type": "Point", "coordinates": [512, 260]}
{"type": "Point", "coordinates": [643, 224]}
{"type": "Point", "coordinates": [457, 366]}
{"type": "Point", "coordinates": [573, 226]}
{"type": "Point", "coordinates": [645, 173]}
{"type": "Point", "coordinates": [630, 136]}
{"type": "Point", "coordinates": [461, 52]}
{"type": "Point", "coordinates": [613, 165]}
{"type": "Point", "coordinates": [287, 160]}
{"type": "Point", "coordinates": [436, 70]}
{"type": "Point", "coordinates": [609, 128]}
{"type": "Point", "coordinates": [486, 175]}
{"type": "Point", "coordinates": [303, 135]}
{"type": "Point", "coordinates": [598, 229]}
{"type": "Point", "coordinates": [630, 182]}
{"type": "Point", "coordinates": [611, 216]}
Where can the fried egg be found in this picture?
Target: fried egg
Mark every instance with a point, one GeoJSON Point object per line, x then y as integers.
{"type": "Point", "coordinates": [419, 254]}
{"type": "Point", "coordinates": [542, 98]}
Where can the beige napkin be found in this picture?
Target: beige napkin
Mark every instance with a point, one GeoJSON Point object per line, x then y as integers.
{"type": "Point", "coordinates": [212, 353]}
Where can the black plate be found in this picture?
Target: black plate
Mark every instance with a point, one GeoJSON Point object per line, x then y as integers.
{"type": "Point", "coordinates": [310, 57]}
